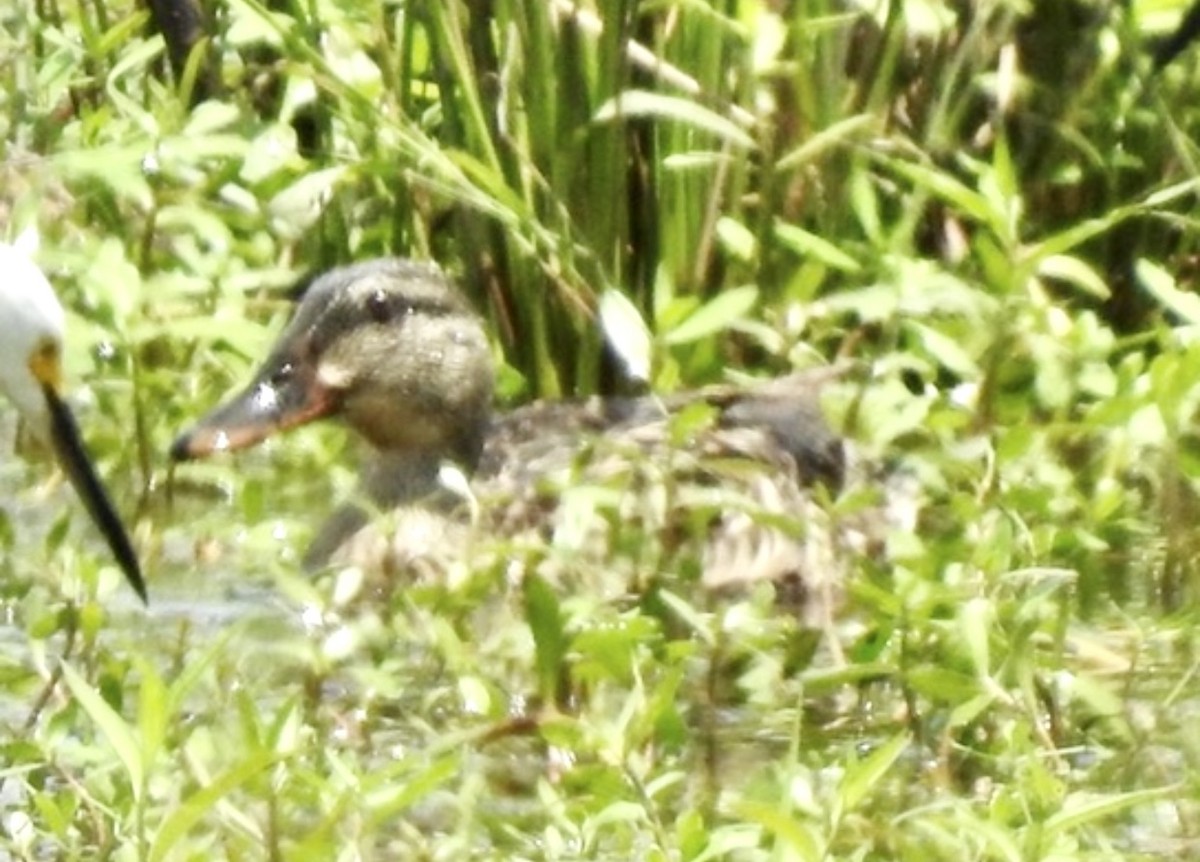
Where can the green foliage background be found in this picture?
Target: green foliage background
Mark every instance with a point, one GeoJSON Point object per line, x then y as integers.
{"type": "Point", "coordinates": [986, 207]}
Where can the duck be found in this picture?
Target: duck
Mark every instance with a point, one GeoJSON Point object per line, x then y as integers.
{"type": "Point", "coordinates": [32, 332]}
{"type": "Point", "coordinates": [394, 349]}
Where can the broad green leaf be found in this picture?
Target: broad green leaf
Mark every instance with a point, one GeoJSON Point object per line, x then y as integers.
{"type": "Point", "coordinates": [970, 710]}
{"type": "Point", "coordinates": [942, 684]}
{"type": "Point", "coordinates": [210, 117]}
{"type": "Point", "coordinates": [617, 812]}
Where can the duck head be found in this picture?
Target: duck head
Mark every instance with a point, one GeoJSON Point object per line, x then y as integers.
{"type": "Point", "coordinates": [390, 346]}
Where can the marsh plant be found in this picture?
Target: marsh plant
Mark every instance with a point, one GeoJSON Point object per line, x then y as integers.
{"type": "Point", "coordinates": [981, 213]}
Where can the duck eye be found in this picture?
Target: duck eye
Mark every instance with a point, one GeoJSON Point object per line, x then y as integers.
{"type": "Point", "coordinates": [282, 374]}
{"type": "Point", "coordinates": [378, 306]}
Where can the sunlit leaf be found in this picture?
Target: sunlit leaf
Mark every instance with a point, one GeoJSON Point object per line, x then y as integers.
{"type": "Point", "coordinates": [643, 103]}
{"type": "Point", "coordinates": [627, 334]}
{"type": "Point", "coordinates": [947, 187]}
{"type": "Point", "coordinates": [1161, 285]}
{"type": "Point", "coordinates": [195, 807]}
{"type": "Point", "coordinates": [1002, 841]}
{"type": "Point", "coordinates": [828, 138]}
{"type": "Point", "coordinates": [154, 711]}
{"type": "Point", "coordinates": [800, 838]}
{"type": "Point", "coordinates": [810, 245]}
{"type": "Point", "coordinates": [1083, 809]}
{"type": "Point", "coordinates": [389, 798]}
{"type": "Point", "coordinates": [115, 729]}
{"type": "Point", "coordinates": [716, 314]}
{"type": "Point", "coordinates": [1074, 271]}
{"type": "Point", "coordinates": [298, 206]}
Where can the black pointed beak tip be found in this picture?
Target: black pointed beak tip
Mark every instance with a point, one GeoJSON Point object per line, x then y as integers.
{"type": "Point", "coordinates": [139, 587]}
{"type": "Point", "coordinates": [68, 447]}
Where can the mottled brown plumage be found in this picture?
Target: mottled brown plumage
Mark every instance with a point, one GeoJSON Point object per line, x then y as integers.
{"type": "Point", "coordinates": [394, 349]}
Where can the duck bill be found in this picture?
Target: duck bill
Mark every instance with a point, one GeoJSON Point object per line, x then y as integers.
{"type": "Point", "coordinates": [68, 448]}
{"type": "Point", "coordinates": [283, 396]}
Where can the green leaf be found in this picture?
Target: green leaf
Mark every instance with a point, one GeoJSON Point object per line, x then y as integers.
{"type": "Point", "coordinates": [544, 616]}
{"type": "Point", "coordinates": [1161, 285]}
{"type": "Point", "coordinates": [947, 188]}
{"type": "Point", "coordinates": [641, 103]}
{"type": "Point", "coordinates": [154, 710]}
{"type": "Point", "coordinates": [1081, 809]}
{"type": "Point", "coordinates": [809, 245]}
{"type": "Point", "coordinates": [117, 168]}
{"type": "Point", "coordinates": [947, 352]}
{"type": "Point", "coordinates": [718, 313]}
{"type": "Point", "coordinates": [385, 799]}
{"type": "Point", "coordinates": [1075, 272]}
{"type": "Point", "coordinates": [200, 803]}
{"type": "Point", "coordinates": [836, 135]}
{"type": "Point", "coordinates": [118, 733]}
{"type": "Point", "coordinates": [862, 777]}
{"type": "Point", "coordinates": [134, 61]}
{"type": "Point", "coordinates": [296, 208]}
{"type": "Point", "coordinates": [1001, 841]}
{"type": "Point", "coordinates": [798, 837]}
{"type": "Point", "coordinates": [975, 624]}
{"type": "Point", "coordinates": [736, 239]}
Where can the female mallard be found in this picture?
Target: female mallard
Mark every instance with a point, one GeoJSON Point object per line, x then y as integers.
{"type": "Point", "coordinates": [393, 348]}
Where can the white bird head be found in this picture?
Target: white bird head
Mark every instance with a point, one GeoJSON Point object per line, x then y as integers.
{"type": "Point", "coordinates": [31, 335]}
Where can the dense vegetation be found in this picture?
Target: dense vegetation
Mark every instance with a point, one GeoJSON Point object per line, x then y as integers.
{"type": "Point", "coordinates": [983, 209]}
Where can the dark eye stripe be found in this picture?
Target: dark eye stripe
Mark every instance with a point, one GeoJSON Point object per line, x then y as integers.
{"type": "Point", "coordinates": [384, 307]}
{"type": "Point", "coordinates": [379, 293]}
{"type": "Point", "coordinates": [381, 308]}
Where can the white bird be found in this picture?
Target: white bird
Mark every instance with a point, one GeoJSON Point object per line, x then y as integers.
{"type": "Point", "coordinates": [32, 326]}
